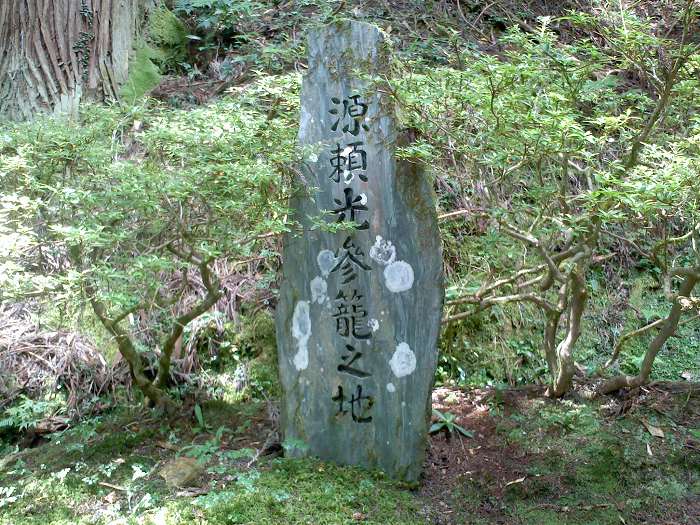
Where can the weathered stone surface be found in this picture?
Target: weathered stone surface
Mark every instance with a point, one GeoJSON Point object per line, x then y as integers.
{"type": "Point", "coordinates": [366, 324]}
{"type": "Point", "coordinates": [181, 472]}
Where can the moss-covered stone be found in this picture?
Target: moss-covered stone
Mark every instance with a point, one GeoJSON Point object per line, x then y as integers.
{"type": "Point", "coordinates": [360, 307]}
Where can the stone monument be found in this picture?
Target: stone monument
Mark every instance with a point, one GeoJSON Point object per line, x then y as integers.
{"type": "Point", "coordinates": [360, 306]}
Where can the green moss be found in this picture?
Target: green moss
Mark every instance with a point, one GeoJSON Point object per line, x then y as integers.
{"type": "Point", "coordinates": [602, 516]}
{"type": "Point", "coordinates": [304, 491]}
{"type": "Point", "coordinates": [254, 342]}
{"type": "Point", "coordinates": [162, 51]}
{"type": "Point", "coordinates": [167, 37]}
{"type": "Point", "coordinates": [165, 29]}
{"type": "Point", "coordinates": [144, 75]}
{"type": "Point", "coordinates": [668, 489]}
{"type": "Point", "coordinates": [581, 471]}
{"type": "Point", "coordinates": [51, 503]}
{"type": "Point", "coordinates": [281, 491]}
{"type": "Point", "coordinates": [219, 413]}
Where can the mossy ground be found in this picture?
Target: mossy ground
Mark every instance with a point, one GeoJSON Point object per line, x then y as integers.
{"type": "Point", "coordinates": [107, 470]}
{"type": "Point", "coordinates": [575, 462]}
{"type": "Point", "coordinates": [531, 461]}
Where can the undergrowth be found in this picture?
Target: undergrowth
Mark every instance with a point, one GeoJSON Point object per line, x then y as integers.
{"type": "Point", "coordinates": [578, 464]}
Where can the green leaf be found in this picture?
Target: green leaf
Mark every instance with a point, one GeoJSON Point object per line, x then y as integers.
{"type": "Point", "coordinates": [464, 431]}
{"type": "Point", "coordinates": [436, 427]}
{"type": "Point", "coordinates": [438, 414]}
{"type": "Point", "coordinates": [200, 417]}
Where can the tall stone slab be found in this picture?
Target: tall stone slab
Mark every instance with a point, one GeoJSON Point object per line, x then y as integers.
{"type": "Point", "coordinates": [360, 308]}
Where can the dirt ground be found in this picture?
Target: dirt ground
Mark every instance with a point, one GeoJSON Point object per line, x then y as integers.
{"type": "Point", "coordinates": [488, 474]}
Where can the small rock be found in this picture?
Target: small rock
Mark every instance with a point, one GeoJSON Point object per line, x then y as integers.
{"type": "Point", "coordinates": [181, 472]}
{"type": "Point", "coordinates": [451, 399]}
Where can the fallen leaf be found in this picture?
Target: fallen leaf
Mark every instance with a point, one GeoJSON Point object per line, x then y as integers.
{"type": "Point", "coordinates": [654, 431]}
{"type": "Point", "coordinates": [137, 473]}
{"type": "Point", "coordinates": [519, 480]}
{"type": "Point", "coordinates": [110, 486]}
{"type": "Point", "coordinates": [649, 450]}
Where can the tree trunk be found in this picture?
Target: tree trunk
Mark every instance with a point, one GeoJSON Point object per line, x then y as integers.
{"type": "Point", "coordinates": [551, 327]}
{"type": "Point", "coordinates": [53, 53]}
{"type": "Point", "coordinates": [564, 353]}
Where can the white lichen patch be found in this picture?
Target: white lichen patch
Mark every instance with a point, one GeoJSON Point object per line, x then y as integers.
{"type": "Point", "coordinates": [398, 276]}
{"type": "Point", "coordinates": [319, 290]}
{"type": "Point", "coordinates": [373, 324]}
{"type": "Point", "coordinates": [390, 387]}
{"type": "Point", "coordinates": [326, 261]}
{"type": "Point", "coordinates": [301, 331]}
{"type": "Point", "coordinates": [403, 362]}
{"type": "Point", "coordinates": [383, 251]}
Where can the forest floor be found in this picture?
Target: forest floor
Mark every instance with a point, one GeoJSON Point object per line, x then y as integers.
{"type": "Point", "coordinates": [622, 460]}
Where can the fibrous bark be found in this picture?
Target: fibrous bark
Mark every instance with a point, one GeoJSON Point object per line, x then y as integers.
{"type": "Point", "coordinates": [53, 53]}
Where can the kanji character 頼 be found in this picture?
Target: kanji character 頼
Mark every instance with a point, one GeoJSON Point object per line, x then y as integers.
{"type": "Point", "coordinates": [347, 160]}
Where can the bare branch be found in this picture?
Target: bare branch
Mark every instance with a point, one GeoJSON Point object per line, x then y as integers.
{"type": "Point", "coordinates": [625, 337]}
{"type": "Point", "coordinates": [212, 286]}
{"type": "Point", "coordinates": [128, 311]}
{"type": "Point", "coordinates": [486, 288]}
{"type": "Point", "coordinates": [668, 328]}
{"type": "Point", "coordinates": [488, 302]}
{"type": "Point", "coordinates": [478, 212]}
